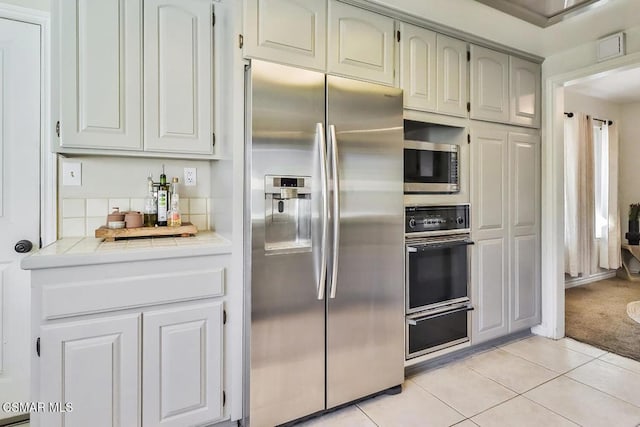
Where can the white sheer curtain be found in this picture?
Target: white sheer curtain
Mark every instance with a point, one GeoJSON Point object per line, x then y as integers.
{"type": "Point", "coordinates": [579, 200]}
{"type": "Point", "coordinates": [609, 241]}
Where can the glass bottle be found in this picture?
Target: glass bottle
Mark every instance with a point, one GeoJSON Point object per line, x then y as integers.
{"type": "Point", "coordinates": [150, 205]}
{"type": "Point", "coordinates": [174, 217]}
{"type": "Point", "coordinates": [163, 199]}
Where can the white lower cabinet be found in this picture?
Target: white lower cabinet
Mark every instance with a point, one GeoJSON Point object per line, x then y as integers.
{"type": "Point", "coordinates": [182, 366]}
{"type": "Point", "coordinates": [97, 366]}
{"type": "Point", "coordinates": [505, 206]}
{"type": "Point", "coordinates": [140, 343]}
{"type": "Point", "coordinates": [94, 365]}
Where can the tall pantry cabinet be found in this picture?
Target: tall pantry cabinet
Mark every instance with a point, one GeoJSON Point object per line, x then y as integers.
{"type": "Point", "coordinates": [505, 196]}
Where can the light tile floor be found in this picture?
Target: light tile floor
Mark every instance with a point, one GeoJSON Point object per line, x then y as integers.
{"type": "Point", "coordinates": [533, 382]}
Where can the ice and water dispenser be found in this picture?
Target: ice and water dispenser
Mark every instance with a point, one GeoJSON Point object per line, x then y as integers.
{"type": "Point", "coordinates": [287, 214]}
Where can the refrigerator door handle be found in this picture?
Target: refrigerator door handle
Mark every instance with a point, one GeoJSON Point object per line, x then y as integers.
{"type": "Point", "coordinates": [336, 209]}
{"type": "Point", "coordinates": [324, 182]}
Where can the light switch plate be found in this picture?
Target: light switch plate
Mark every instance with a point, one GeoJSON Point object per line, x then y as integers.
{"type": "Point", "coordinates": [72, 173]}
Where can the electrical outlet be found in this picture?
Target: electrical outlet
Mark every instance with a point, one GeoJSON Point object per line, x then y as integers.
{"type": "Point", "coordinates": [72, 173]}
{"type": "Point", "coordinates": [190, 177]}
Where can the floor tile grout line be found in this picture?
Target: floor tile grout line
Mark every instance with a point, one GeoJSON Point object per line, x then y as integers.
{"type": "Point", "coordinates": [440, 400]}
{"type": "Point", "coordinates": [602, 391]}
{"type": "Point", "coordinates": [357, 405]}
{"type": "Point", "coordinates": [618, 366]}
{"type": "Point", "coordinates": [551, 410]}
{"type": "Point", "coordinates": [546, 367]}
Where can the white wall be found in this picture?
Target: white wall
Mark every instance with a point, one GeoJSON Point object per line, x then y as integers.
{"type": "Point", "coordinates": [122, 181]}
{"type": "Point", "coordinates": [595, 107]}
{"type": "Point", "coordinates": [629, 132]}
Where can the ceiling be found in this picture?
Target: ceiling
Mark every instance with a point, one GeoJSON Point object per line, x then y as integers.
{"type": "Point", "coordinates": [619, 87]}
{"type": "Point", "coordinates": [541, 13]}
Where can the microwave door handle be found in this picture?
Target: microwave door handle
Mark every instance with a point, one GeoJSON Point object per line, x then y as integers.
{"type": "Point", "coordinates": [415, 321]}
{"type": "Point", "coordinates": [324, 182]}
{"type": "Point", "coordinates": [333, 145]}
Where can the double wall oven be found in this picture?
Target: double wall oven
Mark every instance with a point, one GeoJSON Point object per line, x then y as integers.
{"type": "Point", "coordinates": [437, 242]}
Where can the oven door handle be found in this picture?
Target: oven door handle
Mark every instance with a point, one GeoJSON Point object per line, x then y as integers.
{"type": "Point", "coordinates": [437, 245]}
{"type": "Point", "coordinates": [414, 321]}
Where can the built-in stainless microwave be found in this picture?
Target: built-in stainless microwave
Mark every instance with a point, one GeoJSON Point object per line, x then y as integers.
{"type": "Point", "coordinates": [431, 168]}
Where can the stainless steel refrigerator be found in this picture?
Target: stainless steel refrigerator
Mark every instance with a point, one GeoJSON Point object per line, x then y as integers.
{"type": "Point", "coordinates": [325, 232]}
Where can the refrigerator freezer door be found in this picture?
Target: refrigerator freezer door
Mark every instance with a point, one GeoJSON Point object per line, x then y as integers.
{"type": "Point", "coordinates": [365, 323]}
{"type": "Point", "coordinates": [287, 338]}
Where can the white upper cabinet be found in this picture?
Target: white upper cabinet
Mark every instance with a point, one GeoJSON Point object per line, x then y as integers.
{"type": "Point", "coordinates": [360, 44]}
{"type": "Point", "coordinates": [525, 92]}
{"type": "Point", "coordinates": [100, 68]}
{"type": "Point", "coordinates": [418, 67]}
{"type": "Point", "coordinates": [178, 76]}
{"type": "Point", "coordinates": [125, 62]}
{"type": "Point", "coordinates": [489, 85]}
{"type": "Point", "coordinates": [452, 76]}
{"type": "Point", "coordinates": [504, 88]}
{"type": "Point", "coordinates": [292, 32]}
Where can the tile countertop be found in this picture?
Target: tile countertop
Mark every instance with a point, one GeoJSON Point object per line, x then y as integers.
{"type": "Point", "coordinates": [78, 251]}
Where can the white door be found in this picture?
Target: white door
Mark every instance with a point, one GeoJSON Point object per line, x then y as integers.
{"type": "Point", "coordinates": [524, 218]}
{"type": "Point", "coordinates": [182, 368]}
{"type": "Point", "coordinates": [292, 32]}
{"type": "Point", "coordinates": [178, 112]}
{"type": "Point", "coordinates": [490, 231]}
{"type": "Point", "coordinates": [452, 76]}
{"type": "Point", "coordinates": [418, 67]}
{"type": "Point", "coordinates": [94, 365]}
{"type": "Point", "coordinates": [360, 44]}
{"type": "Point", "coordinates": [489, 85]}
{"type": "Point", "coordinates": [525, 92]}
{"type": "Point", "coordinates": [100, 73]}
{"type": "Point", "coordinates": [19, 198]}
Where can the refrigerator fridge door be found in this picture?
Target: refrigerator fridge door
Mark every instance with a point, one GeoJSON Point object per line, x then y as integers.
{"type": "Point", "coordinates": [365, 321]}
{"type": "Point", "coordinates": [287, 207]}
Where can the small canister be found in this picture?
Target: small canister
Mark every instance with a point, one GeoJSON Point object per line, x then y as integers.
{"type": "Point", "coordinates": [133, 219]}
{"type": "Point", "coordinates": [115, 216]}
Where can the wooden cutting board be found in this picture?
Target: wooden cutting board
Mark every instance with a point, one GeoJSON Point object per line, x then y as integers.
{"type": "Point", "coordinates": [111, 234]}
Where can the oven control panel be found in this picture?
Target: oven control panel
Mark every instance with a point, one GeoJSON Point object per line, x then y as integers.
{"type": "Point", "coordinates": [425, 219]}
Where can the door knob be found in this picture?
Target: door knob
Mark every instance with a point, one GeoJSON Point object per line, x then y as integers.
{"type": "Point", "coordinates": [23, 246]}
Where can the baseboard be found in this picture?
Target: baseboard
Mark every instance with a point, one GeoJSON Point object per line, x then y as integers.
{"type": "Point", "coordinates": [579, 281]}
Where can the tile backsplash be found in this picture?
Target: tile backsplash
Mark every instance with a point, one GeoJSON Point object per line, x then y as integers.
{"type": "Point", "coordinates": [82, 216]}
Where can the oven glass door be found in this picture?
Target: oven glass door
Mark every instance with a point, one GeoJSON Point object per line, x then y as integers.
{"type": "Point", "coordinates": [431, 332]}
{"type": "Point", "coordinates": [436, 273]}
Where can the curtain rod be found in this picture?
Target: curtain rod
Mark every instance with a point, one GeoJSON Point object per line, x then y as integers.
{"type": "Point", "coordinates": [609, 122]}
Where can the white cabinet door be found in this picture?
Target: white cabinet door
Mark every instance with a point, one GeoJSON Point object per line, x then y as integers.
{"type": "Point", "coordinates": [100, 70]}
{"type": "Point", "coordinates": [292, 32]}
{"type": "Point", "coordinates": [94, 365]}
{"type": "Point", "coordinates": [418, 67]}
{"type": "Point", "coordinates": [489, 85]}
{"type": "Point", "coordinates": [524, 92]}
{"type": "Point", "coordinates": [490, 228]}
{"type": "Point", "coordinates": [182, 369]}
{"type": "Point", "coordinates": [178, 76]}
{"type": "Point", "coordinates": [452, 76]}
{"type": "Point", "coordinates": [524, 159]}
{"type": "Point", "coordinates": [360, 44]}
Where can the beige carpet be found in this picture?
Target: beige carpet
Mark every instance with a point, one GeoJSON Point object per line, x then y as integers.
{"type": "Point", "coordinates": [597, 314]}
